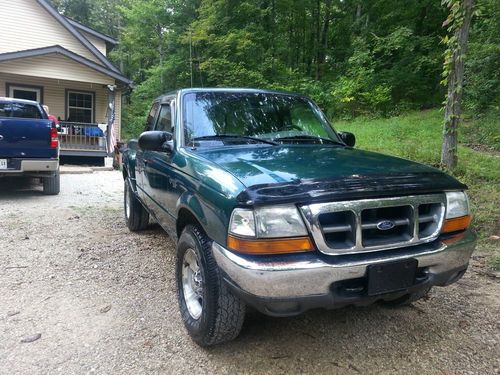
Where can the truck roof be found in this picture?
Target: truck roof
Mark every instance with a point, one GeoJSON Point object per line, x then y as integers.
{"type": "Point", "coordinates": [225, 89]}
{"type": "Point", "coordinates": [15, 100]}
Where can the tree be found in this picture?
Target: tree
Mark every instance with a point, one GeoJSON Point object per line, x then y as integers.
{"type": "Point", "coordinates": [458, 24]}
{"type": "Point", "coordinates": [79, 10]}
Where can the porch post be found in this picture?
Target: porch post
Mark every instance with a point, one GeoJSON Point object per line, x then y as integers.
{"type": "Point", "coordinates": [111, 128]}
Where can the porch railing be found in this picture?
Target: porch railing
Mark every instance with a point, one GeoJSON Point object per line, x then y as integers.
{"type": "Point", "coordinates": [79, 136]}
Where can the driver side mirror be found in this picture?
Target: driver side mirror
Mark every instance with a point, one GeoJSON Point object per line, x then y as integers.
{"type": "Point", "coordinates": [156, 140]}
{"type": "Point", "coordinates": [348, 138]}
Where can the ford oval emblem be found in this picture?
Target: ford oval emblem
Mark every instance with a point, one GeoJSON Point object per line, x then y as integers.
{"type": "Point", "coordinates": [386, 225]}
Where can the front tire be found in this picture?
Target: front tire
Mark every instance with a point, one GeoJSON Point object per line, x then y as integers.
{"type": "Point", "coordinates": [136, 216]}
{"type": "Point", "coordinates": [210, 312]}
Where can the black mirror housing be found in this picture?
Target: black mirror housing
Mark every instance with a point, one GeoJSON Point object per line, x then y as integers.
{"type": "Point", "coordinates": [156, 140]}
{"type": "Point", "coordinates": [348, 138]}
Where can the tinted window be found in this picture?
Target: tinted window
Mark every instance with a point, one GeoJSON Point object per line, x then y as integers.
{"type": "Point", "coordinates": [151, 117]}
{"type": "Point", "coordinates": [20, 110]}
{"type": "Point", "coordinates": [5, 110]}
{"type": "Point", "coordinates": [264, 115]}
{"type": "Point", "coordinates": [164, 121]}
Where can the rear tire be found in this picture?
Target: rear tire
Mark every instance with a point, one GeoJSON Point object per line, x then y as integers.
{"type": "Point", "coordinates": [211, 313]}
{"type": "Point", "coordinates": [408, 299]}
{"type": "Point", "coordinates": [52, 185]}
{"type": "Point", "coordinates": [136, 216]}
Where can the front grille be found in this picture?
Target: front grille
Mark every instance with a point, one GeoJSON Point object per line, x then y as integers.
{"type": "Point", "coordinates": [375, 224]}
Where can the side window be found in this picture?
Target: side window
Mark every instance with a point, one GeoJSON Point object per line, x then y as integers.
{"type": "Point", "coordinates": [164, 121]}
{"type": "Point", "coordinates": [5, 110]}
{"type": "Point", "coordinates": [151, 117]}
{"type": "Point", "coordinates": [25, 111]}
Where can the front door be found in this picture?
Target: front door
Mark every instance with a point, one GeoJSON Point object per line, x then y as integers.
{"type": "Point", "coordinates": [159, 175]}
{"type": "Point", "coordinates": [25, 92]}
{"type": "Point", "coordinates": [140, 161]}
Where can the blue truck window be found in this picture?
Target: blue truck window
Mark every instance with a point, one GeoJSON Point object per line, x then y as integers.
{"type": "Point", "coordinates": [19, 110]}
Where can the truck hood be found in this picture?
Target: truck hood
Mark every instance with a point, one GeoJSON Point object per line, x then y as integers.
{"type": "Point", "coordinates": [285, 171]}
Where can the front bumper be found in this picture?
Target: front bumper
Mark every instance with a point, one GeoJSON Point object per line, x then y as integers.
{"type": "Point", "coordinates": [290, 284]}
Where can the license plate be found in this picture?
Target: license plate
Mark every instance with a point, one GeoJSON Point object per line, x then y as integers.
{"type": "Point", "coordinates": [3, 163]}
{"type": "Point", "coordinates": [391, 277]}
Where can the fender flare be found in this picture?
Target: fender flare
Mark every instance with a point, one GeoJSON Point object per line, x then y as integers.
{"type": "Point", "coordinates": [189, 202]}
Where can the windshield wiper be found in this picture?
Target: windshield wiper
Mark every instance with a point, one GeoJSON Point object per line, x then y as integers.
{"type": "Point", "coordinates": [234, 136]}
{"type": "Point", "coordinates": [308, 138]}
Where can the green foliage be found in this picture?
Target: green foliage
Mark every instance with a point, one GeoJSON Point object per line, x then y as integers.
{"type": "Point", "coordinates": [482, 132]}
{"type": "Point", "coordinates": [353, 57]}
{"type": "Point", "coordinates": [482, 79]}
{"type": "Point", "coordinates": [101, 15]}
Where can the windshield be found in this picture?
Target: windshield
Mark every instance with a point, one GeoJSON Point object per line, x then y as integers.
{"type": "Point", "coordinates": [221, 118]}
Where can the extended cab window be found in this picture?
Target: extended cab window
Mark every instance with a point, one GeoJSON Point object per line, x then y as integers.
{"type": "Point", "coordinates": [20, 110]}
{"type": "Point", "coordinates": [151, 117]}
{"type": "Point", "coordinates": [164, 121]}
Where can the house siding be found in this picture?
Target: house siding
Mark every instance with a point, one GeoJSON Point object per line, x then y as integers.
{"type": "Point", "coordinates": [26, 25]}
{"type": "Point", "coordinates": [54, 66]}
{"type": "Point", "coordinates": [54, 92]}
{"type": "Point", "coordinates": [98, 43]}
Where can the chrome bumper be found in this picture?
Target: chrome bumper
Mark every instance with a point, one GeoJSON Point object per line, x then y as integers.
{"type": "Point", "coordinates": [308, 275]}
{"type": "Point", "coordinates": [33, 166]}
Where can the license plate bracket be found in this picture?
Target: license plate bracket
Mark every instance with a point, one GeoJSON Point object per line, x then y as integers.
{"type": "Point", "coordinates": [3, 163]}
{"type": "Point", "coordinates": [391, 277]}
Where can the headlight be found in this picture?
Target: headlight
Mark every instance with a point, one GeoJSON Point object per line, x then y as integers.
{"type": "Point", "coordinates": [279, 221]}
{"type": "Point", "coordinates": [457, 204]}
{"type": "Point", "coordinates": [268, 230]}
{"type": "Point", "coordinates": [458, 216]}
{"type": "Point", "coordinates": [267, 222]}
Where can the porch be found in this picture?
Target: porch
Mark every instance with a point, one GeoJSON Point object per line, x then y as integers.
{"type": "Point", "coordinates": [83, 139]}
{"type": "Point", "coordinates": [80, 107]}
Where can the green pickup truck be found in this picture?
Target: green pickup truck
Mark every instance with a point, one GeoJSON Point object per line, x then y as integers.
{"type": "Point", "coordinates": [272, 208]}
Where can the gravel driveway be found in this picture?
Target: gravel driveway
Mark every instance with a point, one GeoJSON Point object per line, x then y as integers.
{"type": "Point", "coordinates": [81, 294]}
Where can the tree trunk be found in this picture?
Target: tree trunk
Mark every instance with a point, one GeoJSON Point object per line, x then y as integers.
{"type": "Point", "coordinates": [159, 31]}
{"type": "Point", "coordinates": [453, 109]}
{"type": "Point", "coordinates": [324, 39]}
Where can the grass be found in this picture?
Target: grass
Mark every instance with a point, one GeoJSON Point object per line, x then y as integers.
{"type": "Point", "coordinates": [417, 136]}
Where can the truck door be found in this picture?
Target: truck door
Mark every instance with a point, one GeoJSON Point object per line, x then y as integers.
{"type": "Point", "coordinates": [160, 179]}
{"type": "Point", "coordinates": [139, 158]}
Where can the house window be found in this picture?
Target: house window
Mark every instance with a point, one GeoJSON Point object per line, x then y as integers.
{"type": "Point", "coordinates": [25, 92]}
{"type": "Point", "coordinates": [80, 107]}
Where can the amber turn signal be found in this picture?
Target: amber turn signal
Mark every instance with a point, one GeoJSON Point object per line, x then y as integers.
{"type": "Point", "coordinates": [270, 246]}
{"type": "Point", "coordinates": [456, 224]}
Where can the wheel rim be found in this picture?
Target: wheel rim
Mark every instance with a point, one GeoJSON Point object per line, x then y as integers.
{"type": "Point", "coordinates": [127, 201]}
{"type": "Point", "coordinates": [192, 284]}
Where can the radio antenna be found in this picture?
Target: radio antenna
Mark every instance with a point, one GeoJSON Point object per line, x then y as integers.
{"type": "Point", "coordinates": [191, 56]}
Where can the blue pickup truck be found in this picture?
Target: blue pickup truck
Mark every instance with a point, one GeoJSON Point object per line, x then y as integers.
{"type": "Point", "coordinates": [29, 146]}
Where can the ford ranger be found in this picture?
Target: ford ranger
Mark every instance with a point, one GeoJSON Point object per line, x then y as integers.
{"type": "Point", "coordinates": [29, 146]}
{"type": "Point", "coordinates": [274, 209]}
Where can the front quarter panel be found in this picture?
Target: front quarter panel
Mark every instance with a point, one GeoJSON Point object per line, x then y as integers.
{"type": "Point", "coordinates": [209, 193]}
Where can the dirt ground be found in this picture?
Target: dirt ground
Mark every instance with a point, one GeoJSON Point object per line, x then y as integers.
{"type": "Point", "coordinates": [80, 294]}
